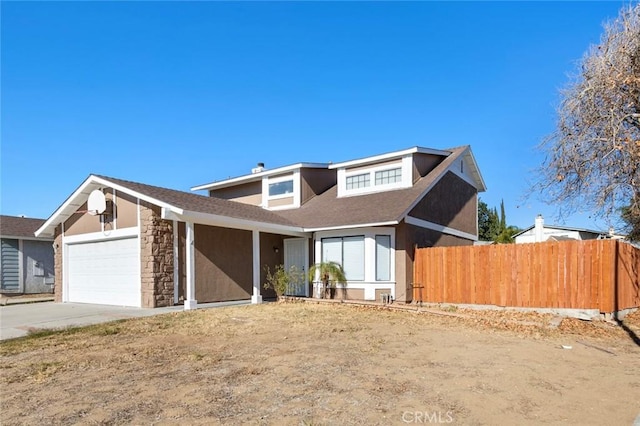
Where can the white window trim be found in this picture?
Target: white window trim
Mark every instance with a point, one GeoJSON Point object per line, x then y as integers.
{"type": "Point", "coordinates": [406, 169]}
{"type": "Point", "coordinates": [369, 284]}
{"type": "Point", "coordinates": [267, 181]}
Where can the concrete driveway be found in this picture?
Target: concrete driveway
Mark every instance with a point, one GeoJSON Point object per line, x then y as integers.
{"type": "Point", "coordinates": [18, 320]}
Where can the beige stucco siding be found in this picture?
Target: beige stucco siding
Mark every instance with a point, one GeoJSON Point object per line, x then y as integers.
{"type": "Point", "coordinates": [248, 193]}
{"type": "Point", "coordinates": [281, 202]}
{"type": "Point", "coordinates": [389, 164]}
{"type": "Point", "coordinates": [126, 211]}
{"type": "Point", "coordinates": [82, 222]}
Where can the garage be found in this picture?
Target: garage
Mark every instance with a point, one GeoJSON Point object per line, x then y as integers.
{"type": "Point", "coordinates": [104, 272]}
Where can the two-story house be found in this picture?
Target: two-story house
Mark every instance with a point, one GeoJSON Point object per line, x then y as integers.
{"type": "Point", "coordinates": [155, 246]}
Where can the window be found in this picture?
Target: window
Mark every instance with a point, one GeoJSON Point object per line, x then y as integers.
{"type": "Point", "coordinates": [281, 188]}
{"type": "Point", "coordinates": [383, 257]}
{"type": "Point", "coordinates": [385, 177]}
{"type": "Point", "coordinates": [358, 181]}
{"type": "Point", "coordinates": [348, 252]}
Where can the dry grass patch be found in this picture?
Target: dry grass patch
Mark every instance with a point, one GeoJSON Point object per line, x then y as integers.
{"type": "Point", "coordinates": [295, 363]}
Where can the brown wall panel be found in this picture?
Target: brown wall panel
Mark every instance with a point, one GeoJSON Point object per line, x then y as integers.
{"type": "Point", "coordinates": [315, 182]}
{"type": "Point", "coordinates": [452, 203]}
{"type": "Point", "coordinates": [224, 265]}
{"type": "Point", "coordinates": [269, 257]}
{"type": "Point", "coordinates": [423, 164]}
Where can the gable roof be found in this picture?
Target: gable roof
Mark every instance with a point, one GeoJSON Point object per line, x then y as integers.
{"type": "Point", "coordinates": [327, 210]}
{"type": "Point", "coordinates": [176, 205]}
{"type": "Point", "coordinates": [324, 211]}
{"type": "Point", "coordinates": [19, 227]}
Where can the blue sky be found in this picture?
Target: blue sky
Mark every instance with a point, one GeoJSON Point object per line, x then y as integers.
{"type": "Point", "coordinates": [177, 94]}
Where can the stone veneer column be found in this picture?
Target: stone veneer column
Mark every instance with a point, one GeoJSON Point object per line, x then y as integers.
{"type": "Point", "coordinates": [57, 264]}
{"type": "Point", "coordinates": [156, 254]}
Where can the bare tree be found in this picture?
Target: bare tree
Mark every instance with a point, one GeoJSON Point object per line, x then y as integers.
{"type": "Point", "coordinates": [593, 157]}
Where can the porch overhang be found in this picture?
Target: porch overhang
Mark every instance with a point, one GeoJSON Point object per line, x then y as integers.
{"type": "Point", "coordinates": [200, 218]}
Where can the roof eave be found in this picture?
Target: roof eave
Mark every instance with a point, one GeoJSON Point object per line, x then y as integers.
{"type": "Point", "coordinates": [80, 196]}
{"type": "Point", "coordinates": [231, 222]}
{"type": "Point", "coordinates": [388, 156]}
{"type": "Point", "coordinates": [257, 176]}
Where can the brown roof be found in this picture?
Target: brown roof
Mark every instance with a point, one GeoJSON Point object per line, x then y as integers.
{"type": "Point", "coordinates": [12, 226]}
{"type": "Point", "coordinates": [327, 210]}
{"type": "Point", "coordinates": [202, 204]}
{"type": "Point", "coordinates": [324, 210]}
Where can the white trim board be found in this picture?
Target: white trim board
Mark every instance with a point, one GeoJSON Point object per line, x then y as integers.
{"type": "Point", "coordinates": [440, 228]}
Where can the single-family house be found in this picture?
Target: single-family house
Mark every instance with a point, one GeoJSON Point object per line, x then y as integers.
{"type": "Point", "coordinates": [150, 246]}
{"type": "Point", "coordinates": [540, 232]}
{"type": "Point", "coordinates": [26, 261]}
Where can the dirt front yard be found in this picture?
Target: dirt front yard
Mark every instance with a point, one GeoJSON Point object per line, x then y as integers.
{"type": "Point", "coordinates": [302, 363]}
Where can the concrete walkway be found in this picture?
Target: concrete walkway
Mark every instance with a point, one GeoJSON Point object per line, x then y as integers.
{"type": "Point", "coordinates": [17, 320]}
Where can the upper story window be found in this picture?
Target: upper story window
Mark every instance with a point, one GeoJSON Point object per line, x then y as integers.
{"type": "Point", "coordinates": [281, 188]}
{"type": "Point", "coordinates": [358, 181]}
{"type": "Point", "coordinates": [385, 177]}
{"type": "Point", "coordinates": [388, 175]}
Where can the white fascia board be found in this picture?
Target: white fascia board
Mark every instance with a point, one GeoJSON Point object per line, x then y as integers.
{"type": "Point", "coordinates": [440, 228]}
{"type": "Point", "coordinates": [67, 208]}
{"type": "Point", "coordinates": [430, 187]}
{"type": "Point", "coordinates": [116, 234]}
{"type": "Point", "coordinates": [34, 238]}
{"type": "Point", "coordinates": [230, 222]}
{"type": "Point", "coordinates": [363, 225]}
{"type": "Point", "coordinates": [136, 194]}
{"type": "Point", "coordinates": [476, 170]}
{"type": "Point", "coordinates": [258, 176]}
{"type": "Point", "coordinates": [389, 155]}
{"type": "Point", "coordinates": [81, 195]}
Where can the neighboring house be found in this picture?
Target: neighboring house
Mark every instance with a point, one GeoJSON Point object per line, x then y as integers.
{"type": "Point", "coordinates": [26, 262]}
{"type": "Point", "coordinates": [540, 232]}
{"type": "Point", "coordinates": [158, 247]}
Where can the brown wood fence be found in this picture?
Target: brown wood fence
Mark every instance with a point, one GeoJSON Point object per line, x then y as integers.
{"type": "Point", "coordinates": [596, 274]}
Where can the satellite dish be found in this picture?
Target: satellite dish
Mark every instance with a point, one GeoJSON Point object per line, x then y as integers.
{"type": "Point", "coordinates": [96, 204]}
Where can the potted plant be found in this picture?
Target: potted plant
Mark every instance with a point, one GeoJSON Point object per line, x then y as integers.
{"type": "Point", "coordinates": [280, 279]}
{"type": "Point", "coordinates": [329, 274]}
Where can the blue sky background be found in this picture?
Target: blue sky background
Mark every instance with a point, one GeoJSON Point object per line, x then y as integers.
{"type": "Point", "coordinates": [179, 94]}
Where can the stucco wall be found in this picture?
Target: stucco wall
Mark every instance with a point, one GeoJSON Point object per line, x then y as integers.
{"type": "Point", "coordinates": [248, 193]}
{"type": "Point", "coordinates": [82, 222]}
{"type": "Point", "coordinates": [126, 211]}
{"type": "Point", "coordinates": [224, 264]}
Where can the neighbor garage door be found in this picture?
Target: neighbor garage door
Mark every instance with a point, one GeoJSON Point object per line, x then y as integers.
{"type": "Point", "coordinates": [104, 272]}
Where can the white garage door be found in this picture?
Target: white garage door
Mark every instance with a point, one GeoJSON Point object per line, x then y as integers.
{"type": "Point", "coordinates": [104, 272]}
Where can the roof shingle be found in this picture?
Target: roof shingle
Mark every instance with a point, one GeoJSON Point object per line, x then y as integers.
{"type": "Point", "coordinates": [12, 226]}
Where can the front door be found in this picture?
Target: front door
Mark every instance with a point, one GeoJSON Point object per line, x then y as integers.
{"type": "Point", "coordinates": [296, 254]}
